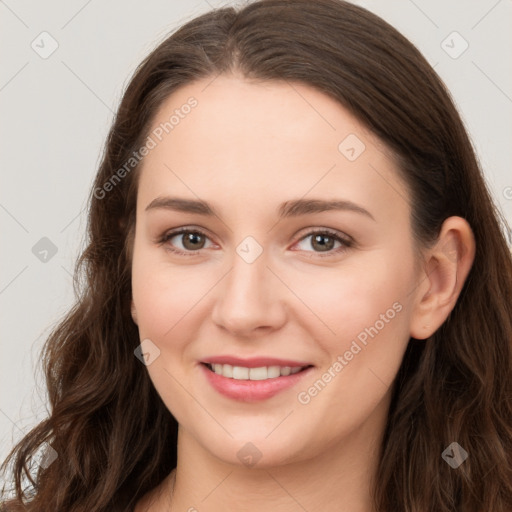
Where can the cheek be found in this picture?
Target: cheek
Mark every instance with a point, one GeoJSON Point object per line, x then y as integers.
{"type": "Point", "coordinates": [361, 323]}
{"type": "Point", "coordinates": [163, 294]}
{"type": "Point", "coordinates": [363, 315]}
{"type": "Point", "coordinates": [164, 298]}
{"type": "Point", "coordinates": [342, 302]}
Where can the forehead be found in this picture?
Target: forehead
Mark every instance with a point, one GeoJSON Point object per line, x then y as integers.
{"type": "Point", "coordinates": [259, 143]}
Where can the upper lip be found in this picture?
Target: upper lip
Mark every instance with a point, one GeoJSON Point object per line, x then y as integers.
{"type": "Point", "coordinates": [254, 362]}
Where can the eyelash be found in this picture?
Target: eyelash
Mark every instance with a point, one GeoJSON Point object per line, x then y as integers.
{"type": "Point", "coordinates": [347, 243]}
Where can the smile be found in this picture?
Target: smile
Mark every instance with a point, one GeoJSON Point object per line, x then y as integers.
{"type": "Point", "coordinates": [261, 373]}
{"type": "Point", "coordinates": [252, 380]}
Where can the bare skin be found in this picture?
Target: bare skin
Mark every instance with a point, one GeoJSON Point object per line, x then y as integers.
{"type": "Point", "coordinates": [246, 148]}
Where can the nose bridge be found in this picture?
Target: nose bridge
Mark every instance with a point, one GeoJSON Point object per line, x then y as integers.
{"type": "Point", "coordinates": [246, 280]}
{"type": "Point", "coordinates": [247, 298]}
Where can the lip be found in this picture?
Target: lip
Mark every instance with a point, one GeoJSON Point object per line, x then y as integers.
{"type": "Point", "coordinates": [254, 362]}
{"type": "Point", "coordinates": [253, 390]}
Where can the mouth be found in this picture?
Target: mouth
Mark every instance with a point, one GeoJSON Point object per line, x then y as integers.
{"type": "Point", "coordinates": [254, 373]}
{"type": "Point", "coordinates": [252, 380]}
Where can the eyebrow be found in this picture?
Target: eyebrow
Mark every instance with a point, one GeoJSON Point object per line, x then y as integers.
{"type": "Point", "coordinates": [292, 208]}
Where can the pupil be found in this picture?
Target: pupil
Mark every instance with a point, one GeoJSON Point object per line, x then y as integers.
{"type": "Point", "coordinates": [320, 239]}
{"type": "Point", "coordinates": [193, 239]}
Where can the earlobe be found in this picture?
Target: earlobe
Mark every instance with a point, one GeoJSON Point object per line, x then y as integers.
{"type": "Point", "coordinates": [134, 312]}
{"type": "Point", "coordinates": [447, 266]}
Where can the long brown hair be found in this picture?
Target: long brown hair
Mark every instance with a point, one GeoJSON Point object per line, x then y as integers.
{"type": "Point", "coordinates": [114, 437]}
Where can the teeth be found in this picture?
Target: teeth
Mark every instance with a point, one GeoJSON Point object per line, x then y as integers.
{"type": "Point", "coordinates": [258, 373]}
{"type": "Point", "coordinates": [261, 373]}
{"type": "Point", "coordinates": [226, 370]}
{"type": "Point", "coordinates": [240, 373]}
{"type": "Point", "coordinates": [273, 372]}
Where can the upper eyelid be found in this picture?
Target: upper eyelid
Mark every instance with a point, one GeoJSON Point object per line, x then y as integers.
{"type": "Point", "coordinates": [179, 231]}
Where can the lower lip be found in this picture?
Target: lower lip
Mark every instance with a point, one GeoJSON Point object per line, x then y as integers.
{"type": "Point", "coordinates": [252, 390]}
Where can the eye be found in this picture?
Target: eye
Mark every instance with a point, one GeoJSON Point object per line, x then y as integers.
{"type": "Point", "coordinates": [324, 241]}
{"type": "Point", "coordinates": [191, 241]}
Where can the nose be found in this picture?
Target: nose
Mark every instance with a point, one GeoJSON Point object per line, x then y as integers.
{"type": "Point", "coordinates": [249, 301]}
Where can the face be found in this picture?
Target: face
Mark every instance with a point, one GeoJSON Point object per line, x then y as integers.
{"type": "Point", "coordinates": [292, 279]}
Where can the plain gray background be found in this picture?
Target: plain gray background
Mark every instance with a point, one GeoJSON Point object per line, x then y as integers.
{"type": "Point", "coordinates": [56, 111]}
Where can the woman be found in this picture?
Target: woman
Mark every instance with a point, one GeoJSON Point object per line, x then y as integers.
{"type": "Point", "coordinates": [297, 290]}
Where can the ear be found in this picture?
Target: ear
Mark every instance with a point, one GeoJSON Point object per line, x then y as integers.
{"type": "Point", "coordinates": [442, 277]}
{"type": "Point", "coordinates": [134, 312]}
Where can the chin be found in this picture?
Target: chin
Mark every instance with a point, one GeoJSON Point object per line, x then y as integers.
{"type": "Point", "coordinates": [253, 449]}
